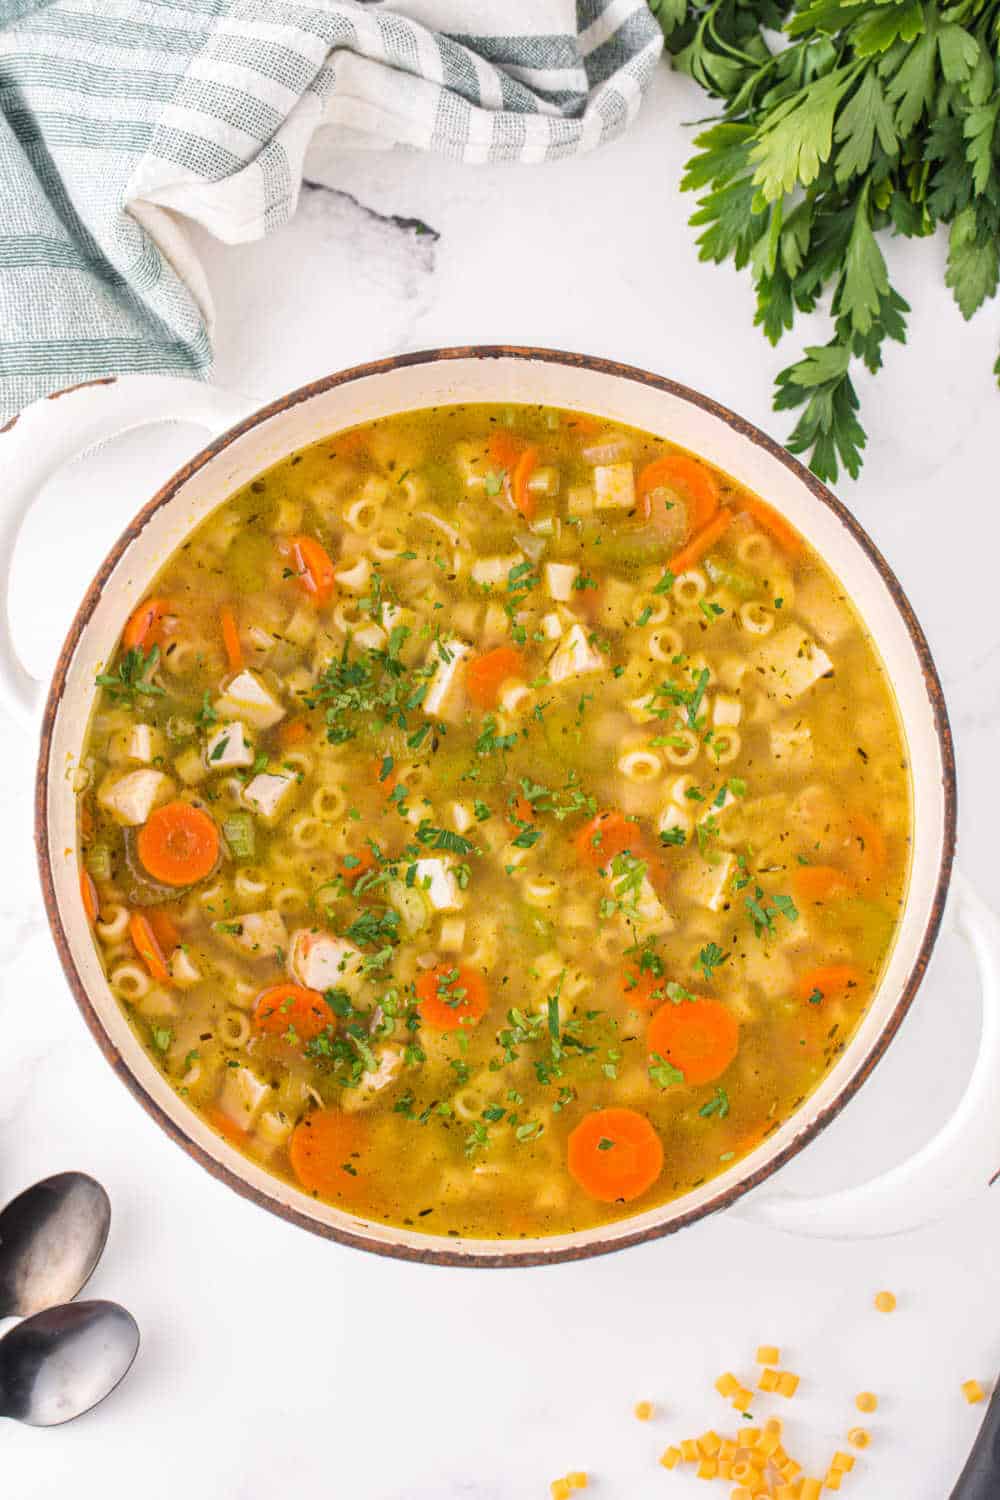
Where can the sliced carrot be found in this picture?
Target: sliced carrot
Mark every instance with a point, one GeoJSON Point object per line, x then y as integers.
{"type": "Point", "coordinates": [609, 834]}
{"type": "Point", "coordinates": [88, 895]}
{"type": "Point", "coordinates": [828, 981]}
{"type": "Point", "coordinates": [221, 1122]}
{"type": "Point", "coordinates": [231, 639]}
{"type": "Point", "coordinates": [313, 567]}
{"type": "Point", "coordinates": [486, 675]}
{"type": "Point", "coordinates": [327, 1153]}
{"type": "Point", "coordinates": [524, 500]}
{"type": "Point", "coordinates": [521, 810]}
{"type": "Point", "coordinates": [813, 883]}
{"type": "Point", "coordinates": [699, 545]}
{"type": "Point", "coordinates": [615, 1155]}
{"type": "Point", "coordinates": [769, 520]}
{"type": "Point", "coordinates": [282, 1006]}
{"type": "Point", "coordinates": [293, 732]}
{"type": "Point", "coordinates": [687, 477]}
{"type": "Point", "coordinates": [365, 862]}
{"type": "Point", "coordinates": [164, 928]}
{"type": "Point", "coordinates": [700, 1037]}
{"type": "Point", "coordinates": [503, 449]}
{"type": "Point", "coordinates": [145, 626]}
{"type": "Point", "coordinates": [145, 944]}
{"type": "Point", "coordinates": [179, 844]}
{"type": "Point", "coordinates": [451, 996]}
{"type": "Point", "coordinates": [869, 853]}
{"type": "Point", "coordinates": [642, 989]}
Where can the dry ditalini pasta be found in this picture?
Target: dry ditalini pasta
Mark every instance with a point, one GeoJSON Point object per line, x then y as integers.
{"type": "Point", "coordinates": [562, 1489]}
{"type": "Point", "coordinates": [754, 1460]}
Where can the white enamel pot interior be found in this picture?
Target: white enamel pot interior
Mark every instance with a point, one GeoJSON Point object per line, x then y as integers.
{"type": "Point", "coordinates": [504, 375]}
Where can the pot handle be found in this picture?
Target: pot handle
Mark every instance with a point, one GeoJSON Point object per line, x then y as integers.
{"type": "Point", "coordinates": [51, 432]}
{"type": "Point", "coordinates": [959, 1163]}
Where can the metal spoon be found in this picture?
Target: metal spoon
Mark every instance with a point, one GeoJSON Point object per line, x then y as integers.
{"type": "Point", "coordinates": [62, 1362]}
{"type": "Point", "coordinates": [51, 1238]}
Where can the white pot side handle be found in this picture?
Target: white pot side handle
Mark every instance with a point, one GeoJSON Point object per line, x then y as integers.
{"type": "Point", "coordinates": [50, 433]}
{"type": "Point", "coordinates": [961, 1160]}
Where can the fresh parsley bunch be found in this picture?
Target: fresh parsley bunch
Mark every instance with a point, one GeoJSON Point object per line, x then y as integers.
{"type": "Point", "coordinates": [842, 120]}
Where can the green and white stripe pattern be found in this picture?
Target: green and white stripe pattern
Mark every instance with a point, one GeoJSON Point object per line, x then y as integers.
{"type": "Point", "coordinates": [115, 111]}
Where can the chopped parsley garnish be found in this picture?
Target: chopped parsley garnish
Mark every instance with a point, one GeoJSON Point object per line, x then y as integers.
{"type": "Point", "coordinates": [673, 836]}
{"type": "Point", "coordinates": [717, 1105]}
{"type": "Point", "coordinates": [206, 716]}
{"type": "Point", "coordinates": [373, 686]}
{"type": "Point", "coordinates": [763, 917]}
{"type": "Point", "coordinates": [443, 838]}
{"type": "Point", "coordinates": [489, 742]}
{"type": "Point", "coordinates": [131, 680]}
{"type": "Point", "coordinates": [710, 958]}
{"type": "Point", "coordinates": [662, 1073]}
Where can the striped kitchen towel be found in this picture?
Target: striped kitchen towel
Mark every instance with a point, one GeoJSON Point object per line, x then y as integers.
{"type": "Point", "coordinates": [116, 114]}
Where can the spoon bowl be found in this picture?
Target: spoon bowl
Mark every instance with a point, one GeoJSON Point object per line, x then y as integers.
{"type": "Point", "coordinates": [64, 1361]}
{"type": "Point", "coordinates": [51, 1238]}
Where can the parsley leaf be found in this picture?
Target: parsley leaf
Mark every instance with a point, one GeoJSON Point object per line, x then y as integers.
{"type": "Point", "coordinates": [710, 958]}
{"type": "Point", "coordinates": [131, 680]}
{"type": "Point", "coordinates": [857, 121]}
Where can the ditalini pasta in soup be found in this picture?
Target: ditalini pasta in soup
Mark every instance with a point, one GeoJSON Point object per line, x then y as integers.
{"type": "Point", "coordinates": [494, 820]}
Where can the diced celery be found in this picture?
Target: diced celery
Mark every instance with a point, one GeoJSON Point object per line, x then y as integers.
{"type": "Point", "coordinates": [241, 836]}
{"type": "Point", "coordinates": [98, 861]}
{"type": "Point", "coordinates": [538, 930]}
{"type": "Point", "coordinates": [739, 583]}
{"type": "Point", "coordinates": [625, 551]}
{"type": "Point", "coordinates": [546, 526]}
{"type": "Point", "coordinates": [410, 904]}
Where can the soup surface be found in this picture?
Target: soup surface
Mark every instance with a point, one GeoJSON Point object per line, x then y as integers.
{"type": "Point", "coordinates": [495, 820]}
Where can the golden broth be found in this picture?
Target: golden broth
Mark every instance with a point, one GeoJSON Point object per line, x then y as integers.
{"type": "Point", "coordinates": [496, 820]}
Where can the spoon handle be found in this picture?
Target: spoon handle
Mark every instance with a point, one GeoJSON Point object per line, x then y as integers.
{"type": "Point", "coordinates": [980, 1479]}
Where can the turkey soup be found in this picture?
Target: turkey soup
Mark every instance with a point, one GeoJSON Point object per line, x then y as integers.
{"type": "Point", "coordinates": [494, 821]}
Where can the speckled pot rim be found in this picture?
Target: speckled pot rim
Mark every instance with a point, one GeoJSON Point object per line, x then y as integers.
{"type": "Point", "coordinates": [437, 1251]}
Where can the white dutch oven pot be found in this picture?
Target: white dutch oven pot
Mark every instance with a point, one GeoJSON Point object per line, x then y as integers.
{"type": "Point", "coordinates": [962, 1157]}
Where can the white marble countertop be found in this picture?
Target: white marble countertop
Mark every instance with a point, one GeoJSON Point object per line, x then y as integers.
{"type": "Point", "coordinates": [273, 1362]}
